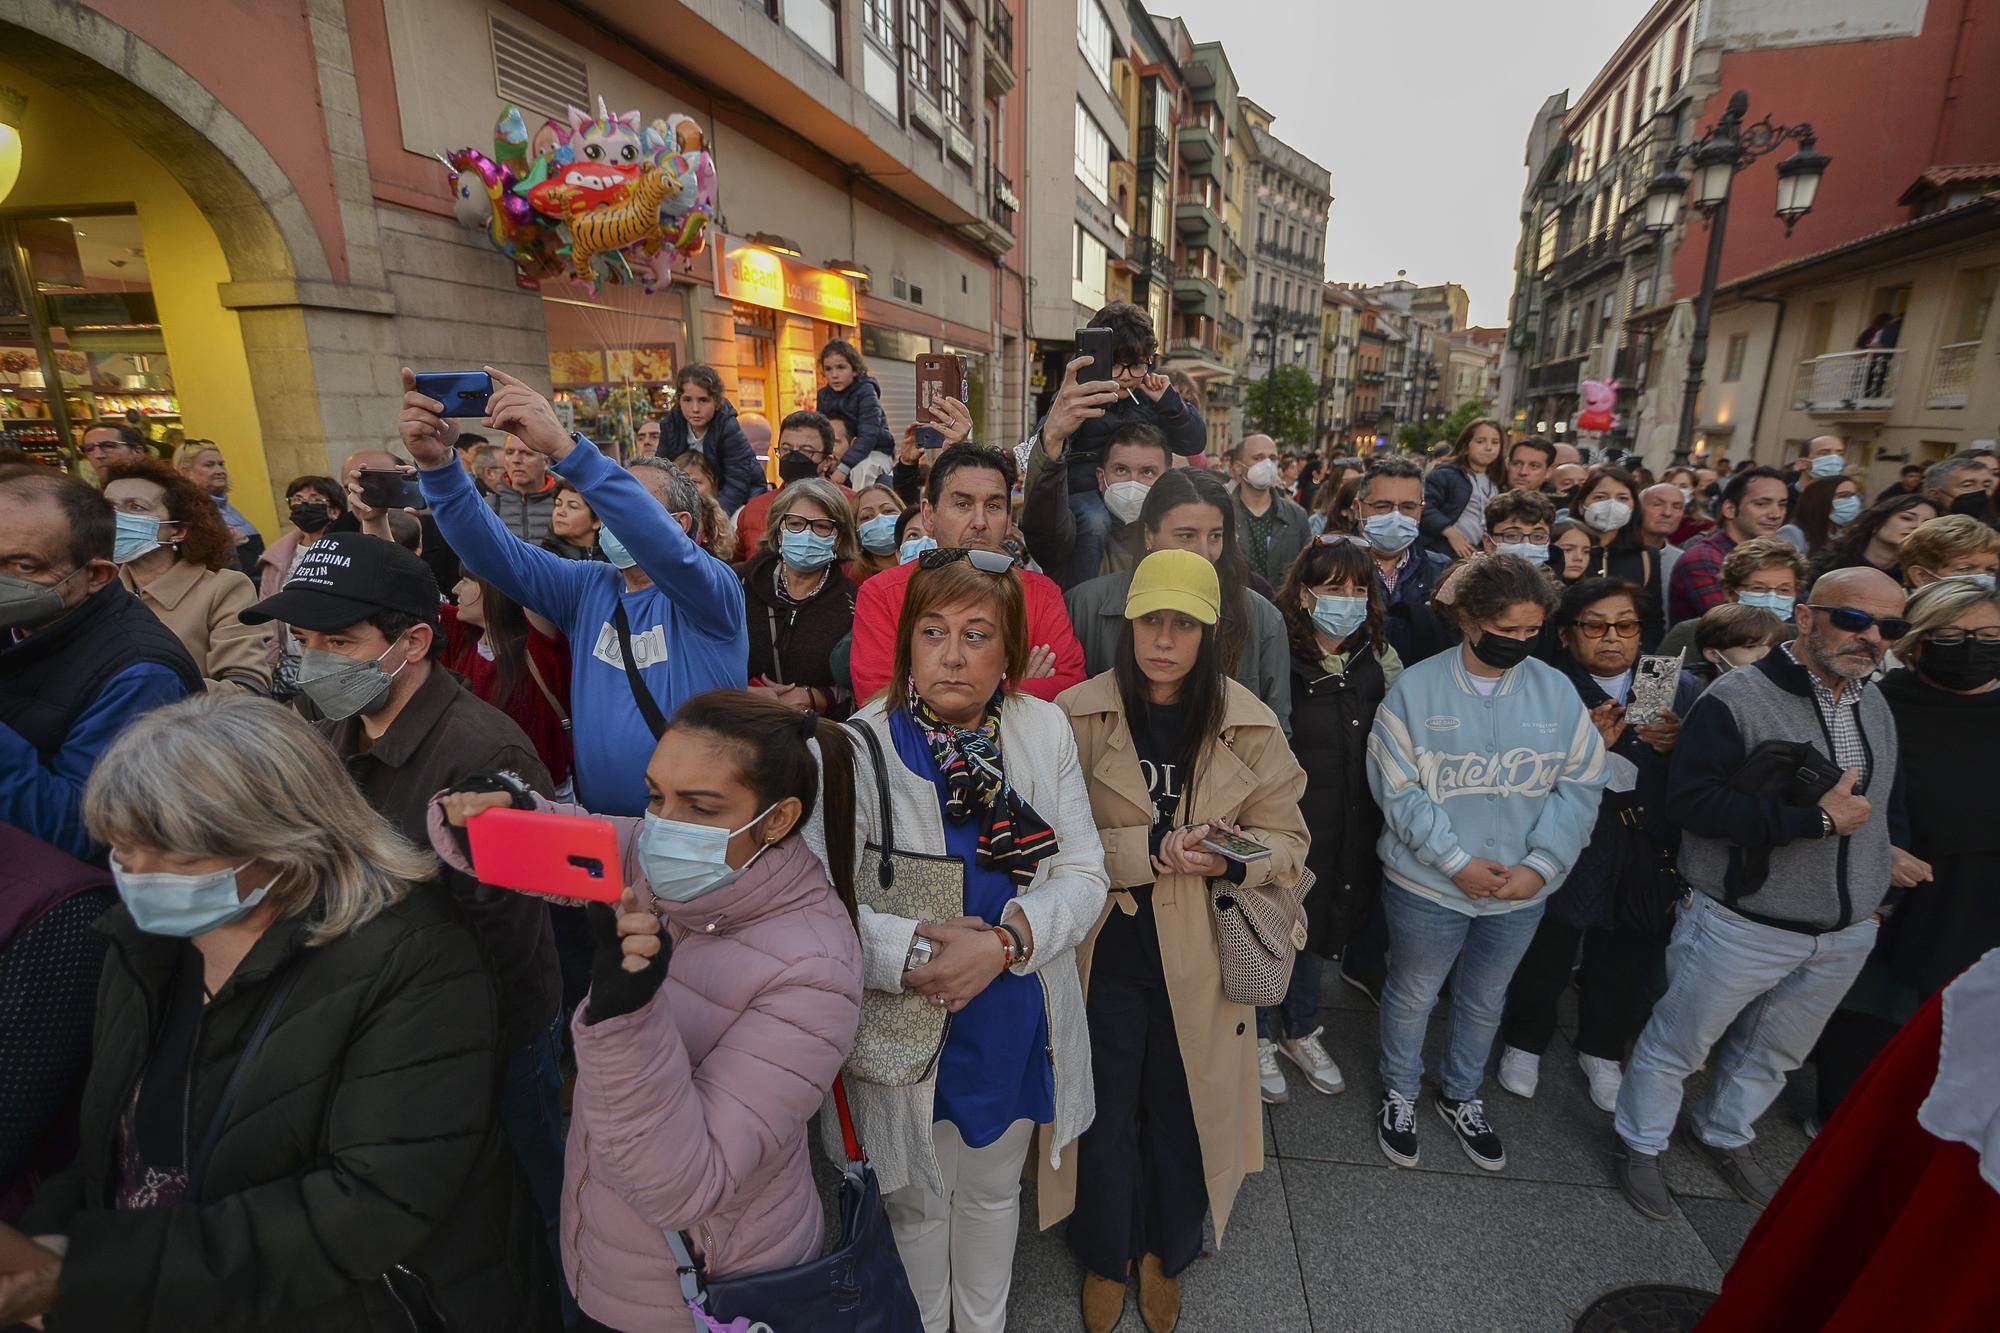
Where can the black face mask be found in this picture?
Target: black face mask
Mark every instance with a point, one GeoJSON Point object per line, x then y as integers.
{"type": "Point", "coordinates": [1501, 652]}
{"type": "Point", "coordinates": [1972, 504]}
{"type": "Point", "coordinates": [1961, 666]}
{"type": "Point", "coordinates": [312, 516]}
{"type": "Point", "coordinates": [796, 466]}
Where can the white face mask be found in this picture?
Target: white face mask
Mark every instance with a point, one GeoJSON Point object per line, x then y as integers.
{"type": "Point", "coordinates": [1607, 515]}
{"type": "Point", "coordinates": [1125, 499]}
{"type": "Point", "coordinates": [1262, 474]}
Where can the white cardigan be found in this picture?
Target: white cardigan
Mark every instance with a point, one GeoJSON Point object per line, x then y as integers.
{"type": "Point", "coordinates": [1061, 905]}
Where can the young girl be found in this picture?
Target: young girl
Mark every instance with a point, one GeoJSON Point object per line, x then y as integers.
{"type": "Point", "coordinates": [851, 394]}
{"type": "Point", "coordinates": [1456, 492]}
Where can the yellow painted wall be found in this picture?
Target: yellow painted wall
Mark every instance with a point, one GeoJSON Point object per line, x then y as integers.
{"type": "Point", "coordinates": [72, 159]}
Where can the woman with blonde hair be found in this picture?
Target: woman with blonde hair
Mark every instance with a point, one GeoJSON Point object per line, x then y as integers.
{"type": "Point", "coordinates": [291, 1117]}
{"type": "Point", "coordinates": [800, 604]}
{"type": "Point", "coordinates": [876, 510]}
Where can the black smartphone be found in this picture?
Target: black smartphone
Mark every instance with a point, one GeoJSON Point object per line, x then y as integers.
{"type": "Point", "coordinates": [463, 392]}
{"type": "Point", "coordinates": [1095, 344]}
{"type": "Point", "coordinates": [939, 375]}
{"type": "Point", "coordinates": [389, 488]}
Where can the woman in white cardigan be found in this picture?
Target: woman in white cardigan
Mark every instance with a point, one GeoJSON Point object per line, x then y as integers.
{"type": "Point", "coordinates": [989, 776]}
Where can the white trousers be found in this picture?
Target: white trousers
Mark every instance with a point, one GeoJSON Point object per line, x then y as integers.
{"type": "Point", "coordinates": [958, 1247]}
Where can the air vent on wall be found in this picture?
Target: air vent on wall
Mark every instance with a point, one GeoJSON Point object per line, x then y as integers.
{"type": "Point", "coordinates": [534, 74]}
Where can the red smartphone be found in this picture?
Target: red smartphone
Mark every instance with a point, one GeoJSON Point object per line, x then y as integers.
{"type": "Point", "coordinates": [539, 852]}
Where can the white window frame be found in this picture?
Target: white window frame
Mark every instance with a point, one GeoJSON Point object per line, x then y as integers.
{"type": "Point", "coordinates": [1093, 38]}
{"type": "Point", "coordinates": [1093, 154]}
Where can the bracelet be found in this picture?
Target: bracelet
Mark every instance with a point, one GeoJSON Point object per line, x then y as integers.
{"type": "Point", "coordinates": [1021, 951]}
{"type": "Point", "coordinates": [1009, 951]}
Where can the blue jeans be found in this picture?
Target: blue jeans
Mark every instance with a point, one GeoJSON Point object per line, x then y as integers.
{"type": "Point", "coordinates": [1297, 1014]}
{"type": "Point", "coordinates": [1762, 992]}
{"type": "Point", "coordinates": [1427, 942]}
{"type": "Point", "coordinates": [1093, 533]}
{"type": "Point", "coordinates": [531, 1117]}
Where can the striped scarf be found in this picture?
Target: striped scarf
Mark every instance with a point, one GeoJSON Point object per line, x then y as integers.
{"type": "Point", "coordinates": [1012, 837]}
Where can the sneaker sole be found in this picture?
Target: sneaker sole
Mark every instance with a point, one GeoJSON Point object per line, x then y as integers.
{"type": "Point", "coordinates": [1274, 1099]}
{"type": "Point", "coordinates": [1483, 1163]}
{"type": "Point", "coordinates": [1331, 1090]}
{"type": "Point", "coordinates": [1511, 1090]}
{"type": "Point", "coordinates": [1395, 1158]}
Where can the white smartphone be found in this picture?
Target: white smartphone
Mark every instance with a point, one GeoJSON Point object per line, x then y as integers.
{"type": "Point", "coordinates": [1235, 847]}
{"type": "Point", "coordinates": [1653, 682]}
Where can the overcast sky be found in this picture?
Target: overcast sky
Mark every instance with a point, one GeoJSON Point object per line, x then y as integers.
{"type": "Point", "coordinates": [1420, 111]}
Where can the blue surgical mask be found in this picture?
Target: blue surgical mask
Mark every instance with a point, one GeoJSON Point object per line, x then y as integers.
{"type": "Point", "coordinates": [1981, 581]}
{"type": "Point", "coordinates": [1389, 533]}
{"type": "Point", "coordinates": [1338, 617]}
{"type": "Point", "coordinates": [137, 536]}
{"type": "Point", "coordinates": [684, 861]}
{"type": "Point", "coordinates": [614, 550]}
{"type": "Point", "coordinates": [1528, 551]}
{"type": "Point", "coordinates": [878, 534]}
{"type": "Point", "coordinates": [1777, 603]}
{"type": "Point", "coordinates": [914, 547]}
{"type": "Point", "coordinates": [1829, 465]}
{"type": "Point", "coordinates": [1846, 509]}
{"type": "Point", "coordinates": [805, 551]}
{"type": "Point", "coordinates": [183, 905]}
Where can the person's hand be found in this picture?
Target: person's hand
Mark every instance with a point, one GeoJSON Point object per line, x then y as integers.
{"type": "Point", "coordinates": [1481, 878]}
{"type": "Point", "coordinates": [1663, 731]}
{"type": "Point", "coordinates": [1041, 662]}
{"type": "Point", "coordinates": [526, 415]}
{"type": "Point", "coordinates": [838, 476]}
{"type": "Point", "coordinates": [427, 433]}
{"type": "Point", "coordinates": [952, 420]}
{"type": "Point", "coordinates": [798, 698]}
{"type": "Point", "coordinates": [1847, 810]}
{"type": "Point", "coordinates": [909, 452]}
{"type": "Point", "coordinates": [1609, 719]}
{"type": "Point", "coordinates": [631, 957]}
{"type": "Point", "coordinates": [1181, 853]}
{"type": "Point", "coordinates": [1520, 884]}
{"type": "Point", "coordinates": [460, 806]}
{"type": "Point", "coordinates": [966, 959]}
{"type": "Point", "coordinates": [29, 1293]}
{"type": "Point", "coordinates": [374, 522]}
{"type": "Point", "coordinates": [242, 538]}
{"type": "Point", "coordinates": [1906, 871]}
{"type": "Point", "coordinates": [1460, 547]}
{"type": "Point", "coordinates": [1075, 403]}
{"type": "Point", "coordinates": [1155, 386]}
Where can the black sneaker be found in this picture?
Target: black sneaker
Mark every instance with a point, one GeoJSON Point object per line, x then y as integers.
{"type": "Point", "coordinates": [1396, 1129]}
{"type": "Point", "coordinates": [1468, 1120]}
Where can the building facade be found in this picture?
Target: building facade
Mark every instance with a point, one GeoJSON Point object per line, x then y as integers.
{"type": "Point", "coordinates": [1340, 336]}
{"type": "Point", "coordinates": [1200, 341]}
{"type": "Point", "coordinates": [1290, 200]}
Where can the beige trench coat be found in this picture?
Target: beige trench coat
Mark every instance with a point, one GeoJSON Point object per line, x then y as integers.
{"type": "Point", "coordinates": [1248, 778]}
{"type": "Point", "coordinates": [201, 607]}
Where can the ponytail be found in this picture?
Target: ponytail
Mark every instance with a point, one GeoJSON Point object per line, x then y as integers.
{"type": "Point", "coordinates": [836, 759]}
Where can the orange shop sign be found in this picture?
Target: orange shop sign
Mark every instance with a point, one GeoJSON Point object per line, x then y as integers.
{"type": "Point", "coordinates": [756, 276]}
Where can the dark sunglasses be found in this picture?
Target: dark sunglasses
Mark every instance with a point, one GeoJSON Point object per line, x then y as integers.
{"type": "Point", "coordinates": [986, 562]}
{"type": "Point", "coordinates": [1847, 618]}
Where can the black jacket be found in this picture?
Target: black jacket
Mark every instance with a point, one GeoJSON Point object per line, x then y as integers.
{"type": "Point", "coordinates": [1331, 720]}
{"type": "Point", "coordinates": [1413, 629]}
{"type": "Point", "coordinates": [860, 406]}
{"type": "Point", "coordinates": [50, 677]}
{"type": "Point", "coordinates": [1447, 491]}
{"type": "Point", "coordinates": [792, 644]}
{"type": "Point", "coordinates": [363, 1137]}
{"type": "Point", "coordinates": [738, 474]}
{"type": "Point", "coordinates": [1186, 432]}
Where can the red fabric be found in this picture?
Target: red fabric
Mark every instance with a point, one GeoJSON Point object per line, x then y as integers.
{"type": "Point", "coordinates": [528, 706]}
{"type": "Point", "coordinates": [1881, 1225]}
{"type": "Point", "coordinates": [879, 605]}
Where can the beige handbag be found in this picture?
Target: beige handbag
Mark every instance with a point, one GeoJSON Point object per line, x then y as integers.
{"type": "Point", "coordinates": [901, 1032]}
{"type": "Point", "coordinates": [1258, 935]}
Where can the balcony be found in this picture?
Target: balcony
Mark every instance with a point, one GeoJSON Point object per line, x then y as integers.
{"type": "Point", "coordinates": [1191, 347]}
{"type": "Point", "coordinates": [1232, 326]}
{"type": "Point", "coordinates": [999, 33]}
{"type": "Point", "coordinates": [1197, 222]}
{"type": "Point", "coordinates": [1559, 376]}
{"type": "Point", "coordinates": [1951, 375]}
{"type": "Point", "coordinates": [1002, 202]}
{"type": "Point", "coordinates": [1156, 152]}
{"type": "Point", "coordinates": [1232, 254]}
{"type": "Point", "coordinates": [1596, 253]}
{"type": "Point", "coordinates": [1198, 144]}
{"type": "Point", "coordinates": [1149, 256]}
{"type": "Point", "coordinates": [1195, 293]}
{"type": "Point", "coordinates": [1849, 384]}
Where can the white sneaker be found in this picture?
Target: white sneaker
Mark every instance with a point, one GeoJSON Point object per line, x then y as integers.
{"type": "Point", "coordinates": [1314, 1063]}
{"type": "Point", "coordinates": [1520, 1072]}
{"type": "Point", "coordinates": [1270, 1079]}
{"type": "Point", "coordinates": [1605, 1079]}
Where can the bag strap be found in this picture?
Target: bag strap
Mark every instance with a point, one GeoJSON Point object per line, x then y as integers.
{"type": "Point", "coordinates": [886, 871]}
{"type": "Point", "coordinates": [535, 674]}
{"type": "Point", "coordinates": [198, 1164]}
{"type": "Point", "coordinates": [848, 1138]}
{"type": "Point", "coordinates": [649, 707]}
{"type": "Point", "coordinates": [777, 656]}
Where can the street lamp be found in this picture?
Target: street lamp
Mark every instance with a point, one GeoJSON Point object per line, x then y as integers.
{"type": "Point", "coordinates": [1718, 155]}
{"type": "Point", "coordinates": [1265, 343]}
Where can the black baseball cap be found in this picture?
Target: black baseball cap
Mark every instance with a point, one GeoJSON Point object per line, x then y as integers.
{"type": "Point", "coordinates": [346, 577]}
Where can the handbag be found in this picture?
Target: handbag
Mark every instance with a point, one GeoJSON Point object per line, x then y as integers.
{"type": "Point", "coordinates": [858, 1288]}
{"type": "Point", "coordinates": [1258, 936]}
{"type": "Point", "coordinates": [901, 1033]}
{"type": "Point", "coordinates": [1649, 888]}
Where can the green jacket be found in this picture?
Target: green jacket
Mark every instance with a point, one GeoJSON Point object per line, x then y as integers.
{"type": "Point", "coordinates": [364, 1137]}
{"type": "Point", "coordinates": [1097, 610]}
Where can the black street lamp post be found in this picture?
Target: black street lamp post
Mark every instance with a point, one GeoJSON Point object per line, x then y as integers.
{"type": "Point", "coordinates": [1717, 156]}
{"type": "Point", "coordinates": [1265, 344]}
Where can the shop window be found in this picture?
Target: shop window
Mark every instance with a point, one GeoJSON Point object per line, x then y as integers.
{"type": "Point", "coordinates": [613, 358]}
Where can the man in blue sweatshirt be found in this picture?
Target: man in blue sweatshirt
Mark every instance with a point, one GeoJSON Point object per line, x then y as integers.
{"type": "Point", "coordinates": [682, 608]}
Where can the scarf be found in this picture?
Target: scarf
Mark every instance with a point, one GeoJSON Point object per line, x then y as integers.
{"type": "Point", "coordinates": [1012, 837]}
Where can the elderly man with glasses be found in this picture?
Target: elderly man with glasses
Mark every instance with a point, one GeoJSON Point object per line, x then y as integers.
{"type": "Point", "coordinates": [1790, 870]}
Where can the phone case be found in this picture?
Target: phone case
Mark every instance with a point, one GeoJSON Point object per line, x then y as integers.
{"type": "Point", "coordinates": [463, 392]}
{"type": "Point", "coordinates": [539, 852]}
{"type": "Point", "coordinates": [1096, 344]}
{"type": "Point", "coordinates": [1235, 848]}
{"type": "Point", "coordinates": [1653, 682]}
{"type": "Point", "coordinates": [390, 488]}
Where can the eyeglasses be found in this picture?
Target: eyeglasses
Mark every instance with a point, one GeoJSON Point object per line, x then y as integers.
{"type": "Point", "coordinates": [1335, 538]}
{"type": "Point", "coordinates": [1408, 508]}
{"type": "Point", "coordinates": [1134, 370]}
{"type": "Point", "coordinates": [1853, 621]}
{"type": "Point", "coordinates": [821, 527]}
{"type": "Point", "coordinates": [1597, 629]}
{"type": "Point", "coordinates": [813, 452]}
{"type": "Point", "coordinates": [1516, 537]}
{"type": "Point", "coordinates": [1990, 634]}
{"type": "Point", "coordinates": [986, 562]}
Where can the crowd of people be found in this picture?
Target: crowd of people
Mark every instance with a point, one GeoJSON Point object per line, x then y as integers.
{"type": "Point", "coordinates": [1003, 808]}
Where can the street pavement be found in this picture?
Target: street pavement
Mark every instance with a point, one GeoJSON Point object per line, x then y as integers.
{"type": "Point", "coordinates": [1329, 1236]}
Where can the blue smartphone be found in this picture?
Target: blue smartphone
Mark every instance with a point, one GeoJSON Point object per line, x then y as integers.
{"type": "Point", "coordinates": [463, 392]}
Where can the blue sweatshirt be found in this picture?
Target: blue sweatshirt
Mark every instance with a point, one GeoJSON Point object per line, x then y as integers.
{"type": "Point", "coordinates": [688, 629]}
{"type": "Point", "coordinates": [1513, 777]}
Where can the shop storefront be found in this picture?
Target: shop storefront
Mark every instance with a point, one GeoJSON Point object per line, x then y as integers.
{"type": "Point", "coordinates": [781, 311]}
{"type": "Point", "coordinates": [613, 356]}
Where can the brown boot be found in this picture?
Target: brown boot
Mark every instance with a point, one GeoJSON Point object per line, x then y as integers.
{"type": "Point", "coordinates": [1103, 1303]}
{"type": "Point", "coordinates": [1159, 1296]}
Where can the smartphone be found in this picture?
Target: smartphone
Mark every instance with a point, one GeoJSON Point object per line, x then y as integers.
{"type": "Point", "coordinates": [547, 854]}
{"type": "Point", "coordinates": [390, 488]}
{"type": "Point", "coordinates": [1095, 344]}
{"type": "Point", "coordinates": [939, 375]}
{"type": "Point", "coordinates": [1235, 847]}
{"type": "Point", "coordinates": [463, 392]}
{"type": "Point", "coordinates": [1653, 683]}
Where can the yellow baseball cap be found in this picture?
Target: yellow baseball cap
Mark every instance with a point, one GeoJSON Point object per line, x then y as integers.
{"type": "Point", "coordinates": [1175, 581]}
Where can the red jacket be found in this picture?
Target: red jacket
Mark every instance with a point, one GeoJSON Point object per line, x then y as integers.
{"type": "Point", "coordinates": [879, 605]}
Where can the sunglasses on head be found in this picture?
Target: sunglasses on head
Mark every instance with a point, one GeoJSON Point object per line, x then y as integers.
{"type": "Point", "coordinates": [986, 562]}
{"type": "Point", "coordinates": [1853, 622]}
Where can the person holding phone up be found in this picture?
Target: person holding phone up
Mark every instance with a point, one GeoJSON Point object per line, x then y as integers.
{"type": "Point", "coordinates": [1178, 755]}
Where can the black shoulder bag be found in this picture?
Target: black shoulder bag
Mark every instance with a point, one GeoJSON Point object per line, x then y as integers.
{"type": "Point", "coordinates": [649, 707]}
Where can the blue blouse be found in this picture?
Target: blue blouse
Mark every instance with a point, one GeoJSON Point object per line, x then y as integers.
{"type": "Point", "coordinates": [995, 1066]}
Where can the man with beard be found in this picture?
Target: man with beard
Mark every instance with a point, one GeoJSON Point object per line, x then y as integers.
{"type": "Point", "coordinates": [1787, 889]}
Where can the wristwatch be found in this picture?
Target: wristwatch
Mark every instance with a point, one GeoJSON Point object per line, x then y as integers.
{"type": "Point", "coordinates": [919, 954]}
{"type": "Point", "coordinates": [1826, 825]}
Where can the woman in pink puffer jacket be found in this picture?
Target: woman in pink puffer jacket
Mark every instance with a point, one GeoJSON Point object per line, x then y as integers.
{"type": "Point", "coordinates": [703, 1050]}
